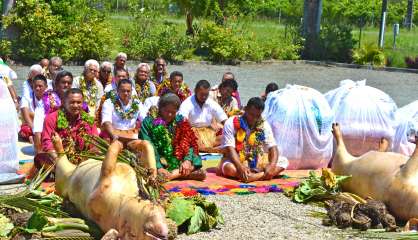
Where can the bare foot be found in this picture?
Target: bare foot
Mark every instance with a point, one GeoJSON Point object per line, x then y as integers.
{"type": "Point", "coordinates": [198, 175]}
{"type": "Point", "coordinates": [383, 145]}
{"type": "Point", "coordinates": [255, 176]}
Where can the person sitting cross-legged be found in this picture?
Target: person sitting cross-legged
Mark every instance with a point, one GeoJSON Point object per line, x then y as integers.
{"type": "Point", "coordinates": [175, 144]}
{"type": "Point", "coordinates": [251, 153]}
{"type": "Point", "coordinates": [72, 124]}
{"type": "Point", "coordinates": [206, 117]}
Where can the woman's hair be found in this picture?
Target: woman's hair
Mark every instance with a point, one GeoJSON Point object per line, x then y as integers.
{"type": "Point", "coordinates": [169, 99]}
{"type": "Point", "coordinates": [124, 81]}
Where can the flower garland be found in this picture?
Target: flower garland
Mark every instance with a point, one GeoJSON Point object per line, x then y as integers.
{"type": "Point", "coordinates": [72, 136]}
{"type": "Point", "coordinates": [90, 94]}
{"type": "Point", "coordinates": [143, 90]}
{"type": "Point", "coordinates": [125, 114]}
{"type": "Point", "coordinates": [51, 101]}
{"type": "Point", "coordinates": [183, 92]}
{"type": "Point", "coordinates": [249, 146]}
{"type": "Point", "coordinates": [173, 140]}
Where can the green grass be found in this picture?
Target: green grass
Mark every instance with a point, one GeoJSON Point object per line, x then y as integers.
{"type": "Point", "coordinates": [406, 43]}
{"type": "Point", "coordinates": [265, 29]}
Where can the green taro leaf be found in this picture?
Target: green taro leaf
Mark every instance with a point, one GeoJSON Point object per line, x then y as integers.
{"type": "Point", "coordinates": [197, 221]}
{"type": "Point", "coordinates": [180, 210]}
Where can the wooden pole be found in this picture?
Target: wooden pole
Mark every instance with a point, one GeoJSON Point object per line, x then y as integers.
{"type": "Point", "coordinates": [410, 14]}
{"type": "Point", "coordinates": [311, 26]}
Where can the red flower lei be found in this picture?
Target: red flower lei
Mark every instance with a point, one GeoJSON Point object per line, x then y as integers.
{"type": "Point", "coordinates": [183, 139]}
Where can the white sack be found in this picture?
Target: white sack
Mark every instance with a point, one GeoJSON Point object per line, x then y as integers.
{"type": "Point", "coordinates": [407, 129]}
{"type": "Point", "coordinates": [364, 113]}
{"type": "Point", "coordinates": [9, 162]}
{"type": "Point", "coordinates": [301, 120]}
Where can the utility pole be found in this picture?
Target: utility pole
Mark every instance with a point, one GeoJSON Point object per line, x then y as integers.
{"type": "Point", "coordinates": [383, 23]}
{"type": "Point", "coordinates": [410, 14]}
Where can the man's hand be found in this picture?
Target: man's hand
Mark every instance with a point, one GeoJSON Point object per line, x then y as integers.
{"type": "Point", "coordinates": [243, 172]}
{"type": "Point", "coordinates": [186, 168]}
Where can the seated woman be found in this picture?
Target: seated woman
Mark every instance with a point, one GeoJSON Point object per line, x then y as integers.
{"type": "Point", "coordinates": [251, 153]}
{"type": "Point", "coordinates": [121, 114]}
{"type": "Point", "coordinates": [176, 85]}
{"type": "Point", "coordinates": [225, 99]}
{"type": "Point", "coordinates": [175, 143]}
{"type": "Point", "coordinates": [29, 104]}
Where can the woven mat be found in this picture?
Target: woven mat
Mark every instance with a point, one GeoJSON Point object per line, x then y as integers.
{"type": "Point", "coordinates": [215, 185]}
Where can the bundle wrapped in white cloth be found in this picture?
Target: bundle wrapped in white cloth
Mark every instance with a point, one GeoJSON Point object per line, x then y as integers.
{"type": "Point", "coordinates": [301, 120]}
{"type": "Point", "coordinates": [407, 129]}
{"type": "Point", "coordinates": [9, 162]}
{"type": "Point", "coordinates": [366, 115]}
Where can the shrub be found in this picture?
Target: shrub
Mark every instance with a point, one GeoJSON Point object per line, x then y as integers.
{"type": "Point", "coordinates": [5, 48]}
{"type": "Point", "coordinates": [369, 54]}
{"type": "Point", "coordinates": [335, 43]}
{"type": "Point", "coordinates": [222, 44]}
{"type": "Point", "coordinates": [68, 28]}
{"type": "Point", "coordinates": [148, 39]}
{"type": "Point", "coordinates": [411, 62]}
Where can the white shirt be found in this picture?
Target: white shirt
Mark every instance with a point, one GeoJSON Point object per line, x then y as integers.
{"type": "Point", "coordinates": [38, 119]}
{"type": "Point", "coordinates": [148, 103]}
{"type": "Point", "coordinates": [112, 86]}
{"type": "Point", "coordinates": [202, 116]}
{"type": "Point", "coordinates": [29, 103]}
{"type": "Point", "coordinates": [8, 72]}
{"type": "Point", "coordinates": [27, 89]}
{"type": "Point", "coordinates": [228, 139]}
{"type": "Point", "coordinates": [152, 87]}
{"type": "Point", "coordinates": [110, 115]}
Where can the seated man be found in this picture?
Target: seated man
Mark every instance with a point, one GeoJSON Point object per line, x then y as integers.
{"type": "Point", "coordinates": [202, 112]}
{"type": "Point", "coordinates": [27, 108]}
{"type": "Point", "coordinates": [176, 85]}
{"type": "Point", "coordinates": [251, 153]}
{"type": "Point", "coordinates": [72, 124]}
{"type": "Point", "coordinates": [143, 85]}
{"type": "Point", "coordinates": [225, 99]}
{"type": "Point", "coordinates": [120, 74]}
{"type": "Point", "coordinates": [175, 145]}
{"type": "Point", "coordinates": [121, 114]}
{"type": "Point", "coordinates": [54, 66]}
{"type": "Point", "coordinates": [226, 77]}
{"type": "Point", "coordinates": [51, 102]}
{"type": "Point", "coordinates": [27, 86]}
{"type": "Point", "coordinates": [159, 71]}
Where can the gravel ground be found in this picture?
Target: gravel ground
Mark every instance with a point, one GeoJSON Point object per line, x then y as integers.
{"type": "Point", "coordinates": [274, 216]}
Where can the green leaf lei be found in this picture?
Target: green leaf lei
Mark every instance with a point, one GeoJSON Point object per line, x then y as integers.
{"type": "Point", "coordinates": [129, 114]}
{"type": "Point", "coordinates": [162, 135]}
{"type": "Point", "coordinates": [62, 121]}
{"type": "Point", "coordinates": [91, 95]}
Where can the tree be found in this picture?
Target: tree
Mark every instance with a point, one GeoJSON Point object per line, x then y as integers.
{"type": "Point", "coordinates": [192, 8]}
